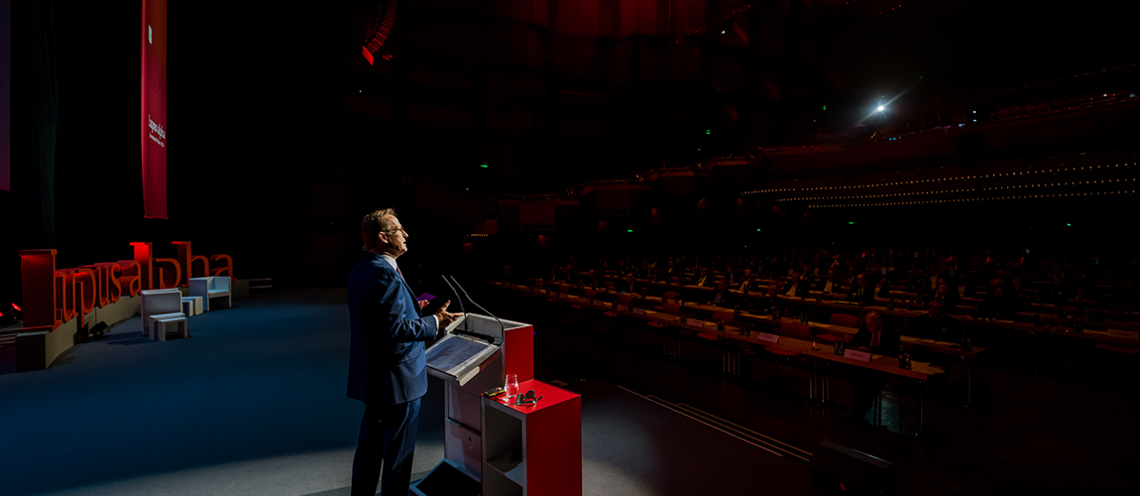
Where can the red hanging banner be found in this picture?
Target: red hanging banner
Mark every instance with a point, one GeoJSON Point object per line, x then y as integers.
{"type": "Point", "coordinates": [154, 108]}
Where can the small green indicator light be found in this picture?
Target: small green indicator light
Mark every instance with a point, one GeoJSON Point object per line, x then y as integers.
{"type": "Point", "coordinates": [708, 131]}
{"type": "Point", "coordinates": [1070, 225]}
{"type": "Point", "coordinates": [629, 230]}
{"type": "Point", "coordinates": [825, 107]}
{"type": "Point", "coordinates": [850, 223]}
{"type": "Point", "coordinates": [483, 166]}
{"type": "Point", "coordinates": [757, 230]}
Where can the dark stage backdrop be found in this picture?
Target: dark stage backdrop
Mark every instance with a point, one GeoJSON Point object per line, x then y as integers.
{"type": "Point", "coordinates": [5, 95]}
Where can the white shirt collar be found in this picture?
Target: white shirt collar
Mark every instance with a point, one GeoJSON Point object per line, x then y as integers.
{"type": "Point", "coordinates": [391, 261]}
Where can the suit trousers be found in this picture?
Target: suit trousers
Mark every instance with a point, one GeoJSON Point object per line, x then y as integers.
{"type": "Point", "coordinates": [388, 440]}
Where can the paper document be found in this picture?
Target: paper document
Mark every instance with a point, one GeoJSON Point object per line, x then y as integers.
{"type": "Point", "coordinates": [456, 354]}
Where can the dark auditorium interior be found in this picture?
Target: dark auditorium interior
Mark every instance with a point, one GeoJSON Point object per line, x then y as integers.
{"type": "Point", "coordinates": [713, 213]}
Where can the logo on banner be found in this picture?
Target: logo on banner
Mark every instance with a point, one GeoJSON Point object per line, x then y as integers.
{"type": "Point", "coordinates": [157, 133]}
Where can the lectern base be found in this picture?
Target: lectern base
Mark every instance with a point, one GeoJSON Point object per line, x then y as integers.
{"type": "Point", "coordinates": [447, 480]}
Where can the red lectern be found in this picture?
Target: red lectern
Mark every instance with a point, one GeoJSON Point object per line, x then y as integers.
{"type": "Point", "coordinates": [533, 450]}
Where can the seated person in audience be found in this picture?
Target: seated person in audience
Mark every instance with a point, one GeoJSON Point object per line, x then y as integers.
{"type": "Point", "coordinates": [832, 284]}
{"type": "Point", "coordinates": [883, 289]}
{"type": "Point", "coordinates": [746, 283]}
{"type": "Point", "coordinates": [873, 336]}
{"type": "Point", "coordinates": [706, 278]}
{"type": "Point", "coordinates": [796, 287]}
{"type": "Point", "coordinates": [936, 324]}
{"type": "Point", "coordinates": [879, 339]}
{"type": "Point", "coordinates": [998, 304]}
{"type": "Point", "coordinates": [1058, 291]}
{"type": "Point", "coordinates": [722, 297]}
{"type": "Point", "coordinates": [949, 297]}
{"type": "Point", "coordinates": [958, 286]}
{"type": "Point", "coordinates": [507, 276]}
{"type": "Point", "coordinates": [1083, 286]}
{"type": "Point", "coordinates": [766, 304]}
{"type": "Point", "coordinates": [928, 289]}
{"type": "Point", "coordinates": [731, 273]}
{"type": "Point", "coordinates": [861, 292]}
{"type": "Point", "coordinates": [630, 285]}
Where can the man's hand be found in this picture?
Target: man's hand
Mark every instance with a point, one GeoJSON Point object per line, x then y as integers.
{"type": "Point", "coordinates": [423, 303]}
{"type": "Point", "coordinates": [445, 319]}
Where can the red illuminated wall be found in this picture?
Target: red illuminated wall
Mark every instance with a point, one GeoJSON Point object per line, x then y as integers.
{"type": "Point", "coordinates": [154, 108]}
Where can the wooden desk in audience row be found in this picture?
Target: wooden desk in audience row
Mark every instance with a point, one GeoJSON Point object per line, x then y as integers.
{"type": "Point", "coordinates": [818, 357]}
{"type": "Point", "coordinates": [815, 299]}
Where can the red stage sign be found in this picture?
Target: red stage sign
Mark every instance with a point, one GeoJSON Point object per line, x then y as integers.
{"type": "Point", "coordinates": [154, 108]}
{"type": "Point", "coordinates": [53, 296]}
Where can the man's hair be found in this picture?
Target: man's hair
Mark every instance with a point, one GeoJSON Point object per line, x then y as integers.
{"type": "Point", "coordinates": [373, 224]}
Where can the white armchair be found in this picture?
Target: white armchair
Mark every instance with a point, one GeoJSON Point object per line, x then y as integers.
{"type": "Point", "coordinates": [215, 289]}
{"type": "Point", "coordinates": [162, 313]}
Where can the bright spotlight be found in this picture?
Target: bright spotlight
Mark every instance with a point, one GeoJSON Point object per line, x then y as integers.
{"type": "Point", "coordinates": [880, 109]}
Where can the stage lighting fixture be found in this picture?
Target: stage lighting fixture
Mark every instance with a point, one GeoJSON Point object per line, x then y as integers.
{"type": "Point", "coordinates": [880, 109]}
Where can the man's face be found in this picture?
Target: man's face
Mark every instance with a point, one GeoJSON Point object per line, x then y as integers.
{"type": "Point", "coordinates": [395, 239]}
{"type": "Point", "coordinates": [874, 322]}
{"type": "Point", "coordinates": [859, 279]}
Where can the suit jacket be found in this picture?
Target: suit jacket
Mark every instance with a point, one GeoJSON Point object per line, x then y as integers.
{"type": "Point", "coordinates": [863, 294]}
{"type": "Point", "coordinates": [386, 360]}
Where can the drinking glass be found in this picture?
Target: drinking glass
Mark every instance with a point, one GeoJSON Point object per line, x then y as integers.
{"type": "Point", "coordinates": [512, 385]}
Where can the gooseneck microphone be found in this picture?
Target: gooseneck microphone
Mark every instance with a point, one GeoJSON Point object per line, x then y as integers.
{"type": "Point", "coordinates": [503, 326]}
{"type": "Point", "coordinates": [457, 298]}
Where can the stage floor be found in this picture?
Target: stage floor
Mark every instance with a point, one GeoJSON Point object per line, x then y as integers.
{"type": "Point", "coordinates": [254, 403]}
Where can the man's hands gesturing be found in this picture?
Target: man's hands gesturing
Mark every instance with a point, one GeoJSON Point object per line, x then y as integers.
{"type": "Point", "coordinates": [445, 319]}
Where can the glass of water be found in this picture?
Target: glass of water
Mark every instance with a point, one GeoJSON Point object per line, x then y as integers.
{"type": "Point", "coordinates": [512, 385]}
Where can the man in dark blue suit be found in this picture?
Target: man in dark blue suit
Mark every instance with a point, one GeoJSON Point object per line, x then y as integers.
{"type": "Point", "coordinates": [386, 366]}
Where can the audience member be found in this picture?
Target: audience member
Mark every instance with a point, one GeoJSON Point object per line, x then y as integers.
{"type": "Point", "coordinates": [936, 324]}
{"type": "Point", "coordinates": [722, 297]}
{"type": "Point", "coordinates": [861, 293]}
{"type": "Point", "coordinates": [796, 286]}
